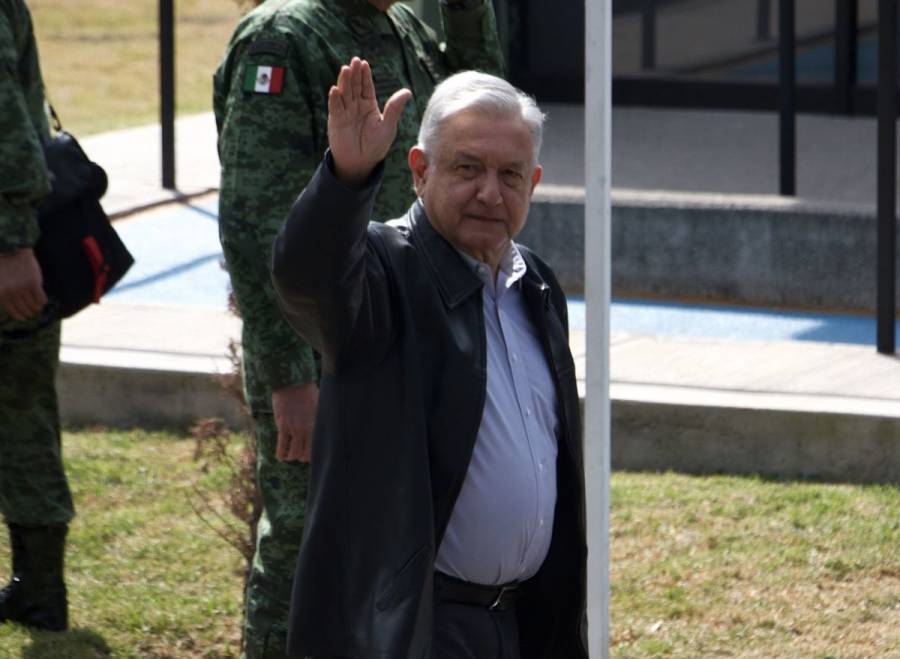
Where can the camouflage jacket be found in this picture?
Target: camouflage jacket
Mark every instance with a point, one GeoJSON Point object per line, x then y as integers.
{"type": "Point", "coordinates": [270, 100]}
{"type": "Point", "coordinates": [23, 128]}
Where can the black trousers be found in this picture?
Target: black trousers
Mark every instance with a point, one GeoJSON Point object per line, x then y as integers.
{"type": "Point", "coordinates": [462, 631]}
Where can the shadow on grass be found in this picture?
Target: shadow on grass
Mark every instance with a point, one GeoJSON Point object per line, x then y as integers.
{"type": "Point", "coordinates": [79, 643]}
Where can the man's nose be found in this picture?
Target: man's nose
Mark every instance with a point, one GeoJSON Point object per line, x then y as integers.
{"type": "Point", "coordinates": [489, 190]}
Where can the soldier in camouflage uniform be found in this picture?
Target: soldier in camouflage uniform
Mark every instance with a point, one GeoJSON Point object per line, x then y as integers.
{"type": "Point", "coordinates": [34, 495]}
{"type": "Point", "coordinates": [270, 101]}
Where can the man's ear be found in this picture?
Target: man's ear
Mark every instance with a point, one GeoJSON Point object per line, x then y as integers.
{"type": "Point", "coordinates": [536, 176]}
{"type": "Point", "coordinates": [418, 165]}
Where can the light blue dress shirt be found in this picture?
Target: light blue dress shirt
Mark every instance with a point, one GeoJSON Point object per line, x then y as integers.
{"type": "Point", "coordinates": [501, 525]}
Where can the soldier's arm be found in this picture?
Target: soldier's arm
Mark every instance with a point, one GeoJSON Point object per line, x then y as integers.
{"type": "Point", "coordinates": [472, 39]}
{"type": "Point", "coordinates": [23, 182]}
{"type": "Point", "coordinates": [269, 148]}
{"type": "Point", "coordinates": [23, 175]}
{"type": "Point", "coordinates": [331, 286]}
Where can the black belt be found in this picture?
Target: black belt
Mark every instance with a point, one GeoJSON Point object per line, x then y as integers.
{"type": "Point", "coordinates": [493, 598]}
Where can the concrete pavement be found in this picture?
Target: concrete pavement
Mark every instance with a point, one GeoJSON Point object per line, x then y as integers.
{"type": "Point", "coordinates": [786, 408]}
{"type": "Point", "coordinates": [653, 149]}
{"type": "Point", "coordinates": [133, 159]}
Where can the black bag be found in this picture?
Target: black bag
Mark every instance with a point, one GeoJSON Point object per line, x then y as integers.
{"type": "Point", "coordinates": [80, 254]}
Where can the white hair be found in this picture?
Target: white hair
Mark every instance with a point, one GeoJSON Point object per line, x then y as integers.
{"type": "Point", "coordinates": [473, 90]}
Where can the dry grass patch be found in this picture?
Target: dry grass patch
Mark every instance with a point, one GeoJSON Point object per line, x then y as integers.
{"type": "Point", "coordinates": [100, 58]}
{"type": "Point", "coordinates": [147, 579]}
{"type": "Point", "coordinates": [720, 566]}
{"type": "Point", "coordinates": [701, 566]}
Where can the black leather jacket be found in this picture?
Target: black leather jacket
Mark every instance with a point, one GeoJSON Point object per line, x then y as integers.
{"type": "Point", "coordinates": [397, 316]}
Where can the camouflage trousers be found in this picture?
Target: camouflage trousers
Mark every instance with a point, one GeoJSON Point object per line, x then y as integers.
{"type": "Point", "coordinates": [279, 531]}
{"type": "Point", "coordinates": [33, 486]}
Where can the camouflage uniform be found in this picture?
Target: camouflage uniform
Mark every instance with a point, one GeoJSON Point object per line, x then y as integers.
{"type": "Point", "coordinates": [34, 494]}
{"type": "Point", "coordinates": [33, 487]}
{"type": "Point", "coordinates": [270, 143]}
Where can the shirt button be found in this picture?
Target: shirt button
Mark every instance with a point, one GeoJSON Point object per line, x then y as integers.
{"type": "Point", "coordinates": [541, 522]}
{"type": "Point", "coordinates": [527, 411]}
{"type": "Point", "coordinates": [515, 357]}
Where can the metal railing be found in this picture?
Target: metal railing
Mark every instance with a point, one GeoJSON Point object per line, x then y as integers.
{"type": "Point", "coordinates": [787, 69]}
{"type": "Point", "coordinates": [167, 90]}
{"type": "Point", "coordinates": [887, 177]}
{"type": "Point", "coordinates": [844, 97]}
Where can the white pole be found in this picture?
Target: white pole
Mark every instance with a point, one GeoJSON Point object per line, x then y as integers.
{"type": "Point", "coordinates": [597, 256]}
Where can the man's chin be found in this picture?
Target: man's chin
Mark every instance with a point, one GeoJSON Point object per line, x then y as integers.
{"type": "Point", "coordinates": [486, 250]}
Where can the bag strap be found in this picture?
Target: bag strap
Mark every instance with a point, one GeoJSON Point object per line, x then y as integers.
{"type": "Point", "coordinates": [54, 118]}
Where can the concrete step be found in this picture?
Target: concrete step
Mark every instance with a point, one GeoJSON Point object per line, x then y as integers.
{"type": "Point", "coordinates": [125, 365]}
{"type": "Point", "coordinates": [780, 409]}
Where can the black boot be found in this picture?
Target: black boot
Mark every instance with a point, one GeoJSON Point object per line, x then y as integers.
{"type": "Point", "coordinates": [36, 595]}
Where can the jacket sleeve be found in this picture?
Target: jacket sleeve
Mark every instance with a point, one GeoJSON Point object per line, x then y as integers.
{"type": "Point", "coordinates": [472, 40]}
{"type": "Point", "coordinates": [268, 148]}
{"type": "Point", "coordinates": [23, 174]}
{"type": "Point", "coordinates": [332, 286]}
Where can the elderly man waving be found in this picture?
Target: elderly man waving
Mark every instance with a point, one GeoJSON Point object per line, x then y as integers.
{"type": "Point", "coordinates": [446, 512]}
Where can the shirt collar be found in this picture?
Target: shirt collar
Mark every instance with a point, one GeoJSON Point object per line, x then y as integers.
{"type": "Point", "coordinates": [512, 269]}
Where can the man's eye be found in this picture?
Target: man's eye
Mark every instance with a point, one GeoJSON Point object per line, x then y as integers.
{"type": "Point", "coordinates": [467, 169]}
{"type": "Point", "coordinates": [513, 177]}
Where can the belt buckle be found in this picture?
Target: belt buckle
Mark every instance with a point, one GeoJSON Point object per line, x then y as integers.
{"type": "Point", "coordinates": [496, 603]}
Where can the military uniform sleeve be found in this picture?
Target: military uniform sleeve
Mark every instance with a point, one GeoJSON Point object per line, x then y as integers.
{"type": "Point", "coordinates": [268, 148]}
{"type": "Point", "coordinates": [333, 285]}
{"type": "Point", "coordinates": [472, 39]}
{"type": "Point", "coordinates": [23, 175]}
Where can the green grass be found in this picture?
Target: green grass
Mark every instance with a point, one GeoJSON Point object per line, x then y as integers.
{"type": "Point", "coordinates": [701, 566]}
{"type": "Point", "coordinates": [100, 58]}
{"type": "Point", "coordinates": [721, 566]}
{"type": "Point", "coordinates": [146, 577]}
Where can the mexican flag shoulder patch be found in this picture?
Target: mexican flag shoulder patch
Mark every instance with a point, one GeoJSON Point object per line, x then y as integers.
{"type": "Point", "coordinates": [264, 79]}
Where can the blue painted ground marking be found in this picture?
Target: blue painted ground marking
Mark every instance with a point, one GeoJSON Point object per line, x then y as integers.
{"type": "Point", "coordinates": [177, 256]}
{"type": "Point", "coordinates": [816, 64]}
{"type": "Point", "coordinates": [722, 322]}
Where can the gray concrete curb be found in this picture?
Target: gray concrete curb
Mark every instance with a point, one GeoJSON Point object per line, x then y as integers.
{"type": "Point", "coordinates": [787, 410]}
{"type": "Point", "coordinates": [741, 249]}
{"type": "Point", "coordinates": [771, 443]}
{"type": "Point", "coordinates": [127, 397]}
{"type": "Point", "coordinates": [797, 410]}
{"type": "Point", "coordinates": [647, 435]}
{"type": "Point", "coordinates": [126, 365]}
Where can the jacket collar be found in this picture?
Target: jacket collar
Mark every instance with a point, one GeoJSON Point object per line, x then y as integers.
{"type": "Point", "coordinates": [455, 278]}
{"type": "Point", "coordinates": [533, 285]}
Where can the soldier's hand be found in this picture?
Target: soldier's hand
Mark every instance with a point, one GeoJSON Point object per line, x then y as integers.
{"type": "Point", "coordinates": [294, 408]}
{"type": "Point", "coordinates": [21, 284]}
{"type": "Point", "coordinates": [358, 134]}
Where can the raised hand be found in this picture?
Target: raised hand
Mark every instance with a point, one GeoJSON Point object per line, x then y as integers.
{"type": "Point", "coordinates": [358, 134]}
